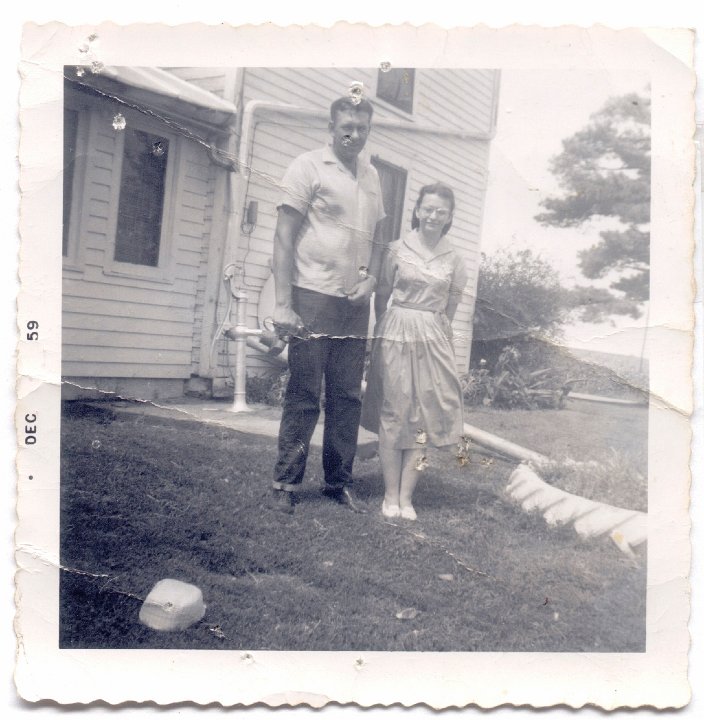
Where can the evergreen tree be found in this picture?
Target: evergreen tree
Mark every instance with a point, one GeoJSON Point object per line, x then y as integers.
{"type": "Point", "coordinates": [604, 172]}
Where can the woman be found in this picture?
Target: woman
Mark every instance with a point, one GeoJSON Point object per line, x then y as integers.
{"type": "Point", "coordinates": [413, 397]}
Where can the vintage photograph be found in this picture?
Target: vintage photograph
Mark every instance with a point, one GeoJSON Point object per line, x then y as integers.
{"type": "Point", "coordinates": [352, 354]}
{"type": "Point", "coordinates": [227, 233]}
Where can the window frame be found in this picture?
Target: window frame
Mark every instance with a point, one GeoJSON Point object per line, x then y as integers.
{"type": "Point", "coordinates": [163, 271]}
{"type": "Point", "coordinates": [390, 104]}
{"type": "Point", "coordinates": [378, 160]}
{"type": "Point", "coordinates": [73, 259]}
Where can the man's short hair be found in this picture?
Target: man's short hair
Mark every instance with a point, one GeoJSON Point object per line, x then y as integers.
{"type": "Point", "coordinates": [346, 104]}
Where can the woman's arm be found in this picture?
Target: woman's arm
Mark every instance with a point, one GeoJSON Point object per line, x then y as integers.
{"type": "Point", "coordinates": [451, 308]}
{"type": "Point", "coordinates": [385, 279]}
{"type": "Point", "coordinates": [457, 285]}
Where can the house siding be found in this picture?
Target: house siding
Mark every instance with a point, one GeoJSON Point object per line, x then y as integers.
{"type": "Point", "coordinates": [123, 325]}
{"type": "Point", "coordinates": [202, 272]}
{"type": "Point", "coordinates": [116, 325]}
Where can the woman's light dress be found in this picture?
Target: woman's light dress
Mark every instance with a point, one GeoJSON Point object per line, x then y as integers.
{"type": "Point", "coordinates": [413, 393]}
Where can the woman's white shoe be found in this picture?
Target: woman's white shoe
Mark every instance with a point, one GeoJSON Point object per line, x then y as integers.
{"type": "Point", "coordinates": [390, 511]}
{"type": "Point", "coordinates": [408, 513]}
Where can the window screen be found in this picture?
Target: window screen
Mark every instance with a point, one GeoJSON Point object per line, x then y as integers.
{"type": "Point", "coordinates": [141, 207]}
{"type": "Point", "coordinates": [396, 87]}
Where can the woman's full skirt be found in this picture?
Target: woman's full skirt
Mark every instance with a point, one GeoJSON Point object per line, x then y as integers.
{"type": "Point", "coordinates": [413, 396]}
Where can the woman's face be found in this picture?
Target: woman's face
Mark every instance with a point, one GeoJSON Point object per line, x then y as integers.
{"type": "Point", "coordinates": [433, 214]}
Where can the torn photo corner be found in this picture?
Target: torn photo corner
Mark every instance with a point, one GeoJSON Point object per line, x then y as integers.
{"type": "Point", "coordinates": [208, 242]}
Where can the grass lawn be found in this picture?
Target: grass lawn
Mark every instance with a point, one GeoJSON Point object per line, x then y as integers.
{"type": "Point", "coordinates": [581, 431]}
{"type": "Point", "coordinates": [143, 500]}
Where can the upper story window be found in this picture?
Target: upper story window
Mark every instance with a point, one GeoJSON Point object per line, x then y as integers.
{"type": "Point", "coordinates": [142, 191]}
{"type": "Point", "coordinates": [395, 86]}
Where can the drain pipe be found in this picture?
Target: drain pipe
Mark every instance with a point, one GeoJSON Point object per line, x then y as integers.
{"type": "Point", "coordinates": [239, 333]}
{"type": "Point", "coordinates": [242, 335]}
{"type": "Point", "coordinates": [504, 447]}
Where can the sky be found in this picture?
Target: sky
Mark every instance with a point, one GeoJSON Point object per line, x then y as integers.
{"type": "Point", "coordinates": [537, 110]}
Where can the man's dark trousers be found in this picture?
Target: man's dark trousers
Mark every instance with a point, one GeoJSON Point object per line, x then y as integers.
{"type": "Point", "coordinates": [335, 352]}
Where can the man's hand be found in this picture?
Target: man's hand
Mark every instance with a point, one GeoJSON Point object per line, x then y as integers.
{"type": "Point", "coordinates": [287, 321]}
{"type": "Point", "coordinates": [362, 291]}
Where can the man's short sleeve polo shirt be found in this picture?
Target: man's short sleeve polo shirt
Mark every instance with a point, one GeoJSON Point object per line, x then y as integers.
{"type": "Point", "coordinates": [340, 213]}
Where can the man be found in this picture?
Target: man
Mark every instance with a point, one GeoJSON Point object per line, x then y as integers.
{"type": "Point", "coordinates": [327, 251]}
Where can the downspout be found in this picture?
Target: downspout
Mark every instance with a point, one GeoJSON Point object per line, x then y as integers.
{"type": "Point", "coordinates": [224, 159]}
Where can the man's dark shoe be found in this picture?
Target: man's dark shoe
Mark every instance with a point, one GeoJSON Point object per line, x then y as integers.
{"type": "Point", "coordinates": [283, 501]}
{"type": "Point", "coordinates": [343, 496]}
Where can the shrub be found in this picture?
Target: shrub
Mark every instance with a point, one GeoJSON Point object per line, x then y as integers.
{"type": "Point", "coordinates": [588, 372]}
{"type": "Point", "coordinates": [510, 385]}
{"type": "Point", "coordinates": [267, 389]}
{"type": "Point", "coordinates": [518, 293]}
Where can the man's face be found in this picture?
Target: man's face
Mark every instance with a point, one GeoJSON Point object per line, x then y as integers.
{"type": "Point", "coordinates": [349, 130]}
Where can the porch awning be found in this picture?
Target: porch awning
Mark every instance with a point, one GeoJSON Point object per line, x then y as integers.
{"type": "Point", "coordinates": [158, 88]}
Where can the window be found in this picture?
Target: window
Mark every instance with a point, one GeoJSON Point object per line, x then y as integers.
{"type": "Point", "coordinates": [396, 87]}
{"type": "Point", "coordinates": [393, 191]}
{"type": "Point", "coordinates": [70, 154]}
{"type": "Point", "coordinates": [142, 191]}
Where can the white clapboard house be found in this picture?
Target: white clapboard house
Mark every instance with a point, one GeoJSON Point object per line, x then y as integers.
{"type": "Point", "coordinates": [171, 178]}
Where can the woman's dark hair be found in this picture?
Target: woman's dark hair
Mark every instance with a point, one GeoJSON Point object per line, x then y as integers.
{"type": "Point", "coordinates": [345, 104]}
{"type": "Point", "coordinates": [441, 190]}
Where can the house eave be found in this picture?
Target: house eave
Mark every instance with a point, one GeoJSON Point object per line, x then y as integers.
{"type": "Point", "coordinates": [157, 93]}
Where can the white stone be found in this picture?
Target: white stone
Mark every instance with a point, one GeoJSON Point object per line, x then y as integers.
{"type": "Point", "coordinates": [172, 605]}
{"type": "Point", "coordinates": [627, 528]}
